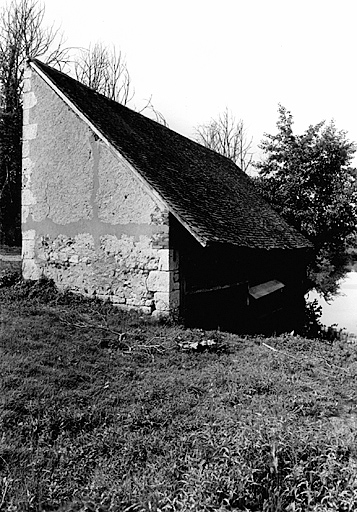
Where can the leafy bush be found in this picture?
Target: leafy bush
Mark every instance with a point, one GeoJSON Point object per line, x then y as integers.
{"type": "Point", "coordinates": [312, 327]}
{"type": "Point", "coordinates": [8, 277]}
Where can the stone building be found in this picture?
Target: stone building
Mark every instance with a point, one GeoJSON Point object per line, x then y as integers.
{"type": "Point", "coordinates": [120, 207]}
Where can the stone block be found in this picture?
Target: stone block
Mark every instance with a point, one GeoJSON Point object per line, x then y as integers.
{"type": "Point", "coordinates": [153, 264]}
{"type": "Point", "coordinates": [29, 100]}
{"type": "Point", "coordinates": [160, 216]}
{"type": "Point", "coordinates": [28, 248]}
{"type": "Point", "coordinates": [41, 254]}
{"type": "Point", "coordinates": [26, 117]}
{"type": "Point", "coordinates": [162, 301]}
{"type": "Point", "coordinates": [30, 132]}
{"type": "Point", "coordinates": [26, 86]}
{"type": "Point", "coordinates": [158, 281]}
{"type": "Point", "coordinates": [164, 259]}
{"type": "Point", "coordinates": [63, 256]}
{"type": "Point", "coordinates": [30, 270]}
{"type": "Point", "coordinates": [25, 212]}
{"type": "Point", "coordinates": [160, 240]}
{"type": "Point", "coordinates": [74, 259]}
{"type": "Point", "coordinates": [115, 299]}
{"type": "Point", "coordinates": [145, 310]}
{"type": "Point", "coordinates": [27, 164]}
{"type": "Point", "coordinates": [25, 149]}
{"type": "Point", "coordinates": [29, 234]}
{"type": "Point", "coordinates": [27, 73]}
{"type": "Point", "coordinates": [103, 297]}
{"type": "Point", "coordinates": [27, 197]}
{"type": "Point", "coordinates": [159, 314]}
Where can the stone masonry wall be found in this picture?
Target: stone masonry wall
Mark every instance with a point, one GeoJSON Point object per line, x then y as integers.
{"type": "Point", "coordinates": [88, 222]}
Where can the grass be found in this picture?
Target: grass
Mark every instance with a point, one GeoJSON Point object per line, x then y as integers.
{"type": "Point", "coordinates": [105, 411]}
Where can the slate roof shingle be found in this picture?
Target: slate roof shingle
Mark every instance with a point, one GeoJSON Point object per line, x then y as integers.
{"type": "Point", "coordinates": [203, 189]}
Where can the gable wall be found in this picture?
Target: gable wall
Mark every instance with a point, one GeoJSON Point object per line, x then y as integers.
{"type": "Point", "coordinates": [88, 222]}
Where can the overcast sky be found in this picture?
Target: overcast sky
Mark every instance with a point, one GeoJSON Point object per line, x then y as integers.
{"type": "Point", "coordinates": [196, 57]}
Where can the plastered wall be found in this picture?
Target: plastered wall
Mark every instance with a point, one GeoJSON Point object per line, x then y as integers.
{"type": "Point", "coordinates": [88, 221]}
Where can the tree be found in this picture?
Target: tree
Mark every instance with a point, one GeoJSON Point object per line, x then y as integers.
{"type": "Point", "coordinates": [21, 36]}
{"type": "Point", "coordinates": [228, 137]}
{"type": "Point", "coordinates": [309, 180]}
{"type": "Point", "coordinates": [106, 71]}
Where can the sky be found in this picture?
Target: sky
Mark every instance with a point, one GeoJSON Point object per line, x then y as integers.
{"type": "Point", "coordinates": [197, 57]}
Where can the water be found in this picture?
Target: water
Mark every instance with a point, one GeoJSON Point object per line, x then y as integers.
{"type": "Point", "coordinates": [342, 310]}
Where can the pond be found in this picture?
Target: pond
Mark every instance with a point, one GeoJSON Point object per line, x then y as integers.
{"type": "Point", "coordinates": [342, 310]}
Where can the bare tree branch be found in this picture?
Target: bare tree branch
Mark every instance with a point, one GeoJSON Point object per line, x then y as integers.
{"type": "Point", "coordinates": [106, 71]}
{"type": "Point", "coordinates": [229, 138]}
{"type": "Point", "coordinates": [22, 29]}
{"type": "Point", "coordinates": [158, 117]}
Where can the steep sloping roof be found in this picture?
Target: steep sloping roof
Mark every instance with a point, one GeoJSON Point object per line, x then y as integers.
{"type": "Point", "coordinates": [207, 192]}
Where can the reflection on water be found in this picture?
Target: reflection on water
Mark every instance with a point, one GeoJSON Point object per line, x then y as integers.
{"type": "Point", "coordinates": [343, 309]}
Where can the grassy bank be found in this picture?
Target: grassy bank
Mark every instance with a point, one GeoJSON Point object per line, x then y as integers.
{"type": "Point", "coordinates": [10, 259]}
{"type": "Point", "coordinates": [104, 411]}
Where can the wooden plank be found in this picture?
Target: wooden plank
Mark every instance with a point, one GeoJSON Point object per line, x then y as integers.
{"type": "Point", "coordinates": [265, 288]}
{"type": "Point", "coordinates": [216, 288]}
